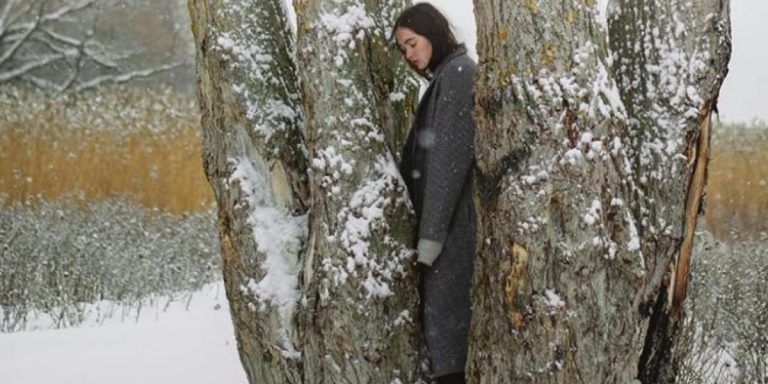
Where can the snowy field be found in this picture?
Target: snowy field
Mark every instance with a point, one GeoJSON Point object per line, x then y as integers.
{"type": "Point", "coordinates": [188, 341]}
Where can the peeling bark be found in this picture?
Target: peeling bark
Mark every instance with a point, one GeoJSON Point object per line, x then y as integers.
{"type": "Point", "coordinates": [700, 158]}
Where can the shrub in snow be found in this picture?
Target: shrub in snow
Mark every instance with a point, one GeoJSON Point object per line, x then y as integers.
{"type": "Point", "coordinates": [56, 257]}
{"type": "Point", "coordinates": [726, 332]}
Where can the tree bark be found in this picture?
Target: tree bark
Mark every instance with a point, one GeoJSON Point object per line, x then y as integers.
{"type": "Point", "coordinates": [590, 175]}
{"type": "Point", "coordinates": [316, 233]}
{"type": "Point", "coordinates": [359, 319]}
{"type": "Point", "coordinates": [255, 160]}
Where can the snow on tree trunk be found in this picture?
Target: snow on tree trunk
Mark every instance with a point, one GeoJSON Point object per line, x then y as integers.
{"type": "Point", "coordinates": [359, 315]}
{"type": "Point", "coordinates": [316, 232]}
{"type": "Point", "coordinates": [255, 160]}
{"type": "Point", "coordinates": [591, 163]}
{"type": "Point", "coordinates": [686, 47]}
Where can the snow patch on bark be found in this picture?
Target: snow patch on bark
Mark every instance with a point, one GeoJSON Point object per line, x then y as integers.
{"type": "Point", "coordinates": [593, 213]}
{"type": "Point", "coordinates": [346, 28]}
{"type": "Point", "coordinates": [553, 299]}
{"type": "Point", "coordinates": [634, 240]}
{"type": "Point", "coordinates": [588, 84]}
{"type": "Point", "coordinates": [279, 237]}
{"type": "Point", "coordinates": [365, 216]}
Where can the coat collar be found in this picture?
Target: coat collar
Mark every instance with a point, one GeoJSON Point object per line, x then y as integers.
{"type": "Point", "coordinates": [460, 50]}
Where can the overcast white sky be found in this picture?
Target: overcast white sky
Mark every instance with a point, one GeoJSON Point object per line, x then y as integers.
{"type": "Point", "coordinates": [744, 94]}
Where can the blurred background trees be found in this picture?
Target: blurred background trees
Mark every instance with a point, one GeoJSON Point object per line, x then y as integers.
{"type": "Point", "coordinates": [102, 191]}
{"type": "Point", "coordinates": [75, 45]}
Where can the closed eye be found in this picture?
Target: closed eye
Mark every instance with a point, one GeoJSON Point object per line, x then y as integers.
{"type": "Point", "coordinates": [411, 42]}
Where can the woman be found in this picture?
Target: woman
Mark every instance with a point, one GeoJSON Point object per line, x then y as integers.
{"type": "Point", "coordinates": [437, 167]}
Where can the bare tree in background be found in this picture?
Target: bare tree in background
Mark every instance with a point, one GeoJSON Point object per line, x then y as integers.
{"type": "Point", "coordinates": [50, 44]}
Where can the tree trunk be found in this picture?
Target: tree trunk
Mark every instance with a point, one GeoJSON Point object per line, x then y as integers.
{"type": "Point", "coordinates": [591, 165]}
{"type": "Point", "coordinates": [255, 160]}
{"type": "Point", "coordinates": [361, 299]}
{"type": "Point", "coordinates": [316, 259]}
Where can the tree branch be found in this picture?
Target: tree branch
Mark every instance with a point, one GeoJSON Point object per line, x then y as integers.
{"type": "Point", "coordinates": [61, 38]}
{"type": "Point", "coordinates": [39, 82]}
{"type": "Point", "coordinates": [15, 46]}
{"type": "Point", "coordinates": [66, 10]}
{"type": "Point", "coordinates": [29, 66]}
{"type": "Point", "coordinates": [11, 22]}
{"type": "Point", "coordinates": [4, 15]}
{"type": "Point", "coordinates": [101, 55]}
{"type": "Point", "coordinates": [56, 15]}
{"type": "Point", "coordinates": [78, 67]}
{"type": "Point", "coordinates": [125, 77]}
{"type": "Point", "coordinates": [53, 45]}
{"type": "Point", "coordinates": [92, 49]}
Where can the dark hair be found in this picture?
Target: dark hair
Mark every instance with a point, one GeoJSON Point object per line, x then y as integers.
{"type": "Point", "coordinates": [425, 20]}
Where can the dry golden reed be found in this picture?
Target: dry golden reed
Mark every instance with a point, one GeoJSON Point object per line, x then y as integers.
{"type": "Point", "coordinates": [737, 191]}
{"type": "Point", "coordinates": [135, 143]}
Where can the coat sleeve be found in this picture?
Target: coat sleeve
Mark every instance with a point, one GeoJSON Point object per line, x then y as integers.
{"type": "Point", "coordinates": [450, 151]}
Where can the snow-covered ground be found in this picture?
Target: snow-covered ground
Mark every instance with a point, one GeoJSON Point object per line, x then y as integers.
{"type": "Point", "coordinates": [191, 342]}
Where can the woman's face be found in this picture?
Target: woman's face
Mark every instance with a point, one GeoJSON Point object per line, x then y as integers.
{"type": "Point", "coordinates": [415, 48]}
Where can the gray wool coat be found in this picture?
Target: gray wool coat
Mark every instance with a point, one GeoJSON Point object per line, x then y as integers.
{"type": "Point", "coordinates": [437, 167]}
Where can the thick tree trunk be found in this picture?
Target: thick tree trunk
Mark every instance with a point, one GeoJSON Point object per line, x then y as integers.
{"type": "Point", "coordinates": [590, 163]}
{"type": "Point", "coordinates": [255, 160]}
{"type": "Point", "coordinates": [361, 298]}
{"type": "Point", "coordinates": [686, 49]}
{"type": "Point", "coordinates": [316, 234]}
